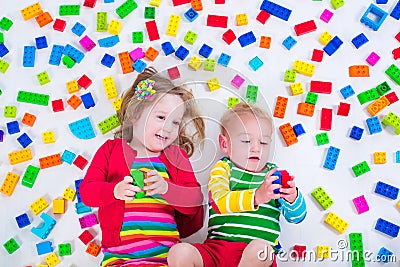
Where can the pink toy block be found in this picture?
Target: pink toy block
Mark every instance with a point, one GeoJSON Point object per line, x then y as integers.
{"type": "Point", "coordinates": [343, 109]}
{"type": "Point", "coordinates": [361, 204]}
{"type": "Point", "coordinates": [136, 54]}
{"type": "Point", "coordinates": [326, 15]}
{"type": "Point", "coordinates": [372, 59]}
{"type": "Point", "coordinates": [87, 43]}
{"type": "Point", "coordinates": [237, 81]}
{"type": "Point", "coordinates": [88, 220]}
{"type": "Point", "coordinates": [174, 73]}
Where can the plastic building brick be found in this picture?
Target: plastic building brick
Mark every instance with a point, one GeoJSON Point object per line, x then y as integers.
{"type": "Point", "coordinates": [209, 64]}
{"type": "Point", "coordinates": [149, 12]}
{"type": "Point", "coordinates": [80, 162]}
{"type": "Point", "coordinates": [368, 95]}
{"type": "Point", "coordinates": [9, 184]}
{"type": "Point", "coordinates": [30, 176]}
{"type": "Point", "coordinates": [326, 119]}
{"type": "Point", "coordinates": [336, 222]}
{"type": "Point", "coordinates": [256, 63]}
{"type": "Point", "coordinates": [299, 251]}
{"type": "Point", "coordinates": [57, 105]}
{"type": "Point", "coordinates": [322, 197]}
{"type": "Point", "coordinates": [23, 220]}
{"type": "Point", "coordinates": [237, 81]}
{"type": "Point", "coordinates": [379, 2]}
{"type": "Point", "coordinates": [68, 62]}
{"type": "Point", "coordinates": [84, 81]}
{"type": "Point", "coordinates": [88, 220]}
{"type": "Point", "coordinates": [138, 180]}
{"type": "Point", "coordinates": [311, 98]}
{"type": "Point", "coordinates": [1, 38]}
{"type": "Point", "coordinates": [59, 25]}
{"type": "Point", "coordinates": [173, 73]}
{"type": "Point", "coordinates": [10, 111]}
{"type": "Point", "coordinates": [298, 129]}
{"type": "Point", "coordinates": [137, 37]}
{"type": "Point", "coordinates": [383, 88]}
{"type": "Point", "coordinates": [197, 5]}
{"type": "Point", "coordinates": [251, 93]}
{"type": "Point", "coordinates": [296, 88]}
{"type": "Point", "coordinates": [168, 48]}
{"type": "Point", "coordinates": [13, 127]}
{"type": "Point", "coordinates": [265, 42]}
{"type": "Point", "coordinates": [280, 107]}
{"type": "Point", "coordinates": [356, 132]}
{"type": "Point", "coordinates": [317, 55]}
{"type": "Point", "coordinates": [337, 3]}
{"type": "Point", "coordinates": [29, 56]}
{"type": "Point", "coordinates": [378, 14]}
{"type": "Point", "coordinates": [229, 36]}
{"type": "Point", "coordinates": [89, 3]}
{"type": "Point", "coordinates": [11, 246]}
{"type": "Point", "coordinates": [38, 205]}
{"type": "Point", "coordinates": [48, 137]}
{"type": "Point", "coordinates": [126, 8]}
{"type": "Point", "coordinates": [31, 11]}
{"type": "Point", "coordinates": [1, 135]}
{"type": "Point", "coordinates": [213, 84]}
{"type": "Point", "coordinates": [224, 59]}
{"type": "Point", "coordinates": [125, 63]}
{"type": "Point", "coordinates": [397, 36]}
{"type": "Point", "coordinates": [44, 19]}
{"type": "Point", "coordinates": [109, 87]}
{"type": "Point", "coordinates": [72, 86]}
{"type": "Point", "coordinates": [303, 68]}
{"type": "Point", "coordinates": [139, 65]}
{"type": "Point", "coordinates": [68, 157]}
{"type": "Point", "coordinates": [77, 186]}
{"type": "Point", "coordinates": [93, 249]}
{"type": "Point", "coordinates": [394, 73]}
{"type": "Point", "coordinates": [19, 156]}
{"type": "Point", "coordinates": [326, 15]}
{"type": "Point", "coordinates": [24, 140]}
{"type": "Point", "coordinates": [190, 37]}
{"type": "Point", "coordinates": [136, 54]}
{"type": "Point", "coordinates": [325, 38]}
{"type": "Point", "coordinates": [333, 45]}
{"type": "Point", "coordinates": [117, 104]}
{"type": "Point", "coordinates": [396, 11]}
{"type": "Point", "coordinates": [263, 16]}
{"type": "Point", "coordinates": [323, 252]}
{"type": "Point", "coordinates": [50, 161]}
{"type": "Point", "coordinates": [87, 43]}
{"type": "Point", "coordinates": [306, 109]}
{"type": "Point", "coordinates": [360, 168]}
{"type": "Point", "coordinates": [101, 19]}
{"type": "Point", "coordinates": [205, 50]}
{"type": "Point", "coordinates": [58, 206]}
{"type": "Point", "coordinates": [241, 19]}
{"type": "Point", "coordinates": [290, 76]}
{"type": "Point", "coordinates": [69, 194]}
{"type": "Point", "coordinates": [191, 14]}
{"type": "Point", "coordinates": [361, 205]}
{"type": "Point", "coordinates": [43, 78]}
{"type": "Point", "coordinates": [387, 227]}
{"type": "Point", "coordinates": [343, 109]}
{"type": "Point", "coordinates": [384, 255]}
{"type": "Point", "coordinates": [151, 53]}
{"type": "Point", "coordinates": [232, 101]}
{"type": "Point", "coordinates": [82, 129]}
{"type": "Point", "coordinates": [52, 260]}
{"type": "Point", "coordinates": [173, 25]}
{"type": "Point", "coordinates": [374, 125]}
{"type": "Point", "coordinates": [74, 53]}
{"type": "Point", "coordinates": [44, 247]}
{"type": "Point", "coordinates": [321, 87]}
{"type": "Point", "coordinates": [359, 71]}
{"type": "Point", "coordinates": [64, 249]}
{"type": "Point", "coordinates": [378, 105]}
{"type": "Point", "coordinates": [288, 134]}
{"type": "Point", "coordinates": [246, 39]}
{"type": "Point", "coordinates": [109, 124]}
{"type": "Point", "coordinates": [114, 27]}
{"type": "Point", "coordinates": [3, 66]}
{"type": "Point", "coordinates": [289, 42]}
{"type": "Point", "coordinates": [108, 60]}
{"type": "Point", "coordinates": [305, 27]}
{"type": "Point", "coordinates": [398, 156]}
{"type": "Point", "coordinates": [152, 30]}
{"type": "Point", "coordinates": [78, 29]}
{"type": "Point", "coordinates": [69, 10]}
{"type": "Point", "coordinates": [86, 237]}
{"type": "Point", "coordinates": [322, 138]}
{"type": "Point", "coordinates": [276, 10]}
{"type": "Point", "coordinates": [386, 190]}
{"type": "Point", "coordinates": [181, 52]}
{"type": "Point", "coordinates": [41, 42]}
{"type": "Point", "coordinates": [81, 208]}
{"type": "Point", "coordinates": [56, 54]}
{"type": "Point", "coordinates": [331, 158]}
{"type": "Point", "coordinates": [373, 58]}
{"type": "Point", "coordinates": [3, 50]}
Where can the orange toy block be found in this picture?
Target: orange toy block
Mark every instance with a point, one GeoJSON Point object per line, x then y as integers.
{"type": "Point", "coordinates": [31, 11]}
{"type": "Point", "coordinates": [50, 161]}
{"type": "Point", "coordinates": [265, 42]}
{"type": "Point", "coordinates": [359, 71]}
{"type": "Point", "coordinates": [125, 62]}
{"type": "Point", "coordinates": [305, 109]}
{"type": "Point", "coordinates": [93, 249]}
{"type": "Point", "coordinates": [29, 119]}
{"type": "Point", "coordinates": [44, 19]}
{"type": "Point", "coordinates": [378, 105]}
{"type": "Point", "coordinates": [151, 53]}
{"type": "Point", "coordinates": [280, 107]}
{"type": "Point", "coordinates": [58, 206]}
{"type": "Point", "coordinates": [74, 101]}
{"type": "Point", "coordinates": [197, 5]}
{"type": "Point", "coordinates": [9, 184]}
{"type": "Point", "coordinates": [288, 134]}
{"type": "Point", "coordinates": [20, 156]}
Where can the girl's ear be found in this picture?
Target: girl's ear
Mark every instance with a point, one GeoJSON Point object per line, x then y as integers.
{"type": "Point", "coordinates": [223, 143]}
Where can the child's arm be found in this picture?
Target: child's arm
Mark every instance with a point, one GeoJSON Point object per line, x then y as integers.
{"type": "Point", "coordinates": [292, 203]}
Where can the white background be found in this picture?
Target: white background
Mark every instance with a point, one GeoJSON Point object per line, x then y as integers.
{"type": "Point", "coordinates": [304, 159]}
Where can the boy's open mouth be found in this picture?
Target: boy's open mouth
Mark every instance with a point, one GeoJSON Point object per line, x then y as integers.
{"type": "Point", "coordinates": [254, 158]}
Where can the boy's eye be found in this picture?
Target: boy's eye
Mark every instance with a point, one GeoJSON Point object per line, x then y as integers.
{"type": "Point", "coordinates": [246, 141]}
{"type": "Point", "coordinates": [264, 143]}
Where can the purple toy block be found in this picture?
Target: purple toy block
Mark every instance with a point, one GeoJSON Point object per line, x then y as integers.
{"type": "Point", "coordinates": [326, 15]}
{"type": "Point", "coordinates": [87, 43]}
{"type": "Point", "coordinates": [373, 58]}
{"type": "Point", "coordinates": [136, 54]}
{"type": "Point", "coordinates": [1, 135]}
{"type": "Point", "coordinates": [237, 81]}
{"type": "Point", "coordinates": [361, 204]}
{"type": "Point", "coordinates": [88, 221]}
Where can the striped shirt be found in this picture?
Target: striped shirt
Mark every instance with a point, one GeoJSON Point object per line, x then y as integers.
{"type": "Point", "coordinates": [233, 215]}
{"type": "Point", "coordinates": [148, 230]}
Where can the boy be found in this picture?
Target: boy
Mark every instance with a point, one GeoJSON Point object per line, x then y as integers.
{"type": "Point", "coordinates": [244, 210]}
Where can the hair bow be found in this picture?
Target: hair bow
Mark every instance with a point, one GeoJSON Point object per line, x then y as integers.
{"type": "Point", "coordinates": [144, 89]}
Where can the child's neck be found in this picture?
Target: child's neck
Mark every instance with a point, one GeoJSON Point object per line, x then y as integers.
{"type": "Point", "coordinates": [142, 152]}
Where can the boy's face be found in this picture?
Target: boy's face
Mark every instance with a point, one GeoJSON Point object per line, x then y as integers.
{"type": "Point", "coordinates": [247, 141]}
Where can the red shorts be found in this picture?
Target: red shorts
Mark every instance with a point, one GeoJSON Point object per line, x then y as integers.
{"type": "Point", "coordinates": [221, 253]}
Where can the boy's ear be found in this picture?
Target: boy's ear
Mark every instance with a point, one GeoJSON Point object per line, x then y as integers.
{"type": "Point", "coordinates": [223, 143]}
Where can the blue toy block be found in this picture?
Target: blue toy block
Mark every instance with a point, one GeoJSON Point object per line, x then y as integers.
{"type": "Point", "coordinates": [3, 50]}
{"type": "Point", "coordinates": [109, 41]}
{"type": "Point", "coordinates": [41, 42]}
{"type": "Point", "coordinates": [246, 39]}
{"type": "Point", "coordinates": [107, 60]}
{"type": "Point", "coordinates": [44, 247]}
{"type": "Point", "coordinates": [333, 45]}
{"type": "Point", "coordinates": [298, 129]}
{"type": "Point", "coordinates": [384, 254]}
{"type": "Point", "coordinates": [73, 53]}
{"type": "Point", "coordinates": [255, 63]}
{"type": "Point", "coordinates": [68, 157]}
{"type": "Point", "coordinates": [29, 56]}
{"type": "Point", "coordinates": [331, 158]}
{"type": "Point", "coordinates": [23, 220]}
{"type": "Point", "coordinates": [77, 185]}
{"type": "Point", "coordinates": [44, 229]}
{"type": "Point", "coordinates": [386, 190]}
{"type": "Point", "coordinates": [374, 125]}
{"type": "Point", "coordinates": [396, 11]}
{"type": "Point", "coordinates": [289, 42]}
{"type": "Point", "coordinates": [87, 100]}
{"type": "Point", "coordinates": [191, 14]}
{"type": "Point", "coordinates": [181, 53]}
{"type": "Point", "coordinates": [12, 127]}
{"type": "Point", "coordinates": [78, 29]}
{"type": "Point", "coordinates": [347, 91]}
{"type": "Point", "coordinates": [224, 59]}
{"type": "Point", "coordinates": [139, 65]}
{"type": "Point", "coordinates": [381, 2]}
{"type": "Point", "coordinates": [205, 50]}
{"type": "Point", "coordinates": [82, 129]}
{"type": "Point", "coordinates": [398, 156]}
{"type": "Point", "coordinates": [24, 140]}
{"type": "Point", "coordinates": [356, 132]}
{"type": "Point", "coordinates": [82, 208]}
{"type": "Point", "coordinates": [277, 181]}
{"type": "Point", "coordinates": [167, 48]}
{"type": "Point", "coordinates": [387, 227]}
{"type": "Point", "coordinates": [377, 13]}
{"type": "Point", "coordinates": [276, 10]}
{"type": "Point", "coordinates": [359, 40]}
{"type": "Point", "coordinates": [1, 135]}
{"type": "Point", "coordinates": [56, 54]}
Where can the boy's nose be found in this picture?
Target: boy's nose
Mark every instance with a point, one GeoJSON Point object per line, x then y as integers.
{"type": "Point", "coordinates": [254, 147]}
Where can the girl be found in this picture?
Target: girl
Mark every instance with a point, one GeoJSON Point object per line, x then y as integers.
{"type": "Point", "coordinates": [153, 135]}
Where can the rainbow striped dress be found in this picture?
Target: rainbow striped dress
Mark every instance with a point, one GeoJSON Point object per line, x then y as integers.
{"type": "Point", "coordinates": [148, 230]}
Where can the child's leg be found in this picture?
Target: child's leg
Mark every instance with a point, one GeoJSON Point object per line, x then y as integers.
{"type": "Point", "coordinates": [257, 253]}
{"type": "Point", "coordinates": [184, 255]}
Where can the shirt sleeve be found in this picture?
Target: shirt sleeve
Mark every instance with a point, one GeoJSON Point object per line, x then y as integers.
{"type": "Point", "coordinates": [294, 212]}
{"type": "Point", "coordinates": [222, 197]}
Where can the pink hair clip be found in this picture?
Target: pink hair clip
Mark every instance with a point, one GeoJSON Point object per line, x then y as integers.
{"type": "Point", "coordinates": [144, 89]}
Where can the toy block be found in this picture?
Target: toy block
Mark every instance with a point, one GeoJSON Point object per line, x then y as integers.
{"type": "Point", "coordinates": [359, 71]}
{"type": "Point", "coordinates": [368, 95]}
{"type": "Point", "coordinates": [224, 59]}
{"type": "Point", "coordinates": [263, 16]}
{"type": "Point", "coordinates": [360, 204]}
{"type": "Point", "coordinates": [386, 190]}
{"type": "Point", "coordinates": [9, 184]}
{"type": "Point", "coordinates": [3, 50]}
{"type": "Point", "coordinates": [173, 73]}
{"type": "Point", "coordinates": [383, 88]}
{"type": "Point", "coordinates": [378, 105]}
{"type": "Point", "coordinates": [69, 194]}
{"type": "Point", "coordinates": [149, 12]}
{"type": "Point", "coordinates": [59, 25]}
{"type": "Point", "coordinates": [197, 5]}
{"type": "Point", "coordinates": [10, 111]}
{"type": "Point", "coordinates": [288, 134]}
{"type": "Point", "coordinates": [317, 55]}
{"type": "Point", "coordinates": [251, 93]}
{"type": "Point", "coordinates": [23, 220]}
{"type": "Point", "coordinates": [398, 156]}
{"type": "Point", "coordinates": [280, 107]}
{"type": "Point", "coordinates": [173, 25]}
{"type": "Point", "coordinates": [43, 78]}
{"type": "Point", "coordinates": [44, 19]}
{"type": "Point", "coordinates": [276, 10]}
{"type": "Point", "coordinates": [108, 60]}
{"type": "Point", "coordinates": [190, 37]}
{"type": "Point", "coordinates": [311, 98]}
{"type": "Point", "coordinates": [68, 157]}
{"type": "Point", "coordinates": [373, 58]}
{"type": "Point", "coordinates": [87, 43]}
{"type": "Point", "coordinates": [86, 237]}
{"type": "Point", "coordinates": [88, 220]}
{"type": "Point", "coordinates": [77, 186]}
{"type": "Point", "coordinates": [3, 66]}
{"type": "Point", "coordinates": [109, 124]}
{"type": "Point", "coordinates": [72, 86]}
{"type": "Point", "coordinates": [41, 42]}
{"type": "Point", "coordinates": [125, 63]}
{"type": "Point", "coordinates": [360, 168]}
{"type": "Point", "coordinates": [374, 126]}
{"type": "Point", "coordinates": [58, 206]}
{"type": "Point", "coordinates": [31, 11]}
{"type": "Point", "coordinates": [64, 249]}
{"type": "Point", "coordinates": [356, 244]}
{"type": "Point", "coordinates": [356, 133]}
{"type": "Point", "coordinates": [1, 135]}
{"type": "Point", "coordinates": [326, 15]}
{"type": "Point", "coordinates": [151, 53]}
{"type": "Point", "coordinates": [241, 19]}
{"type": "Point", "coordinates": [359, 40]}
{"type": "Point", "coordinates": [326, 119]}
{"type": "Point", "coordinates": [229, 36]}
{"type": "Point", "coordinates": [289, 42]}
{"type": "Point", "coordinates": [323, 252]}
{"type": "Point", "coordinates": [247, 39]}
{"type": "Point", "coordinates": [384, 255]}
{"type": "Point", "coordinates": [232, 101]}
{"type": "Point", "coordinates": [387, 227]}
{"type": "Point", "coordinates": [305, 27]}
{"type": "Point", "coordinates": [136, 54]}
{"type": "Point", "coordinates": [168, 48]}
{"type": "Point", "coordinates": [325, 38]}
{"type": "Point", "coordinates": [336, 222]}
{"type": "Point", "coordinates": [191, 14]}
{"type": "Point", "coordinates": [69, 10]}
{"type": "Point", "coordinates": [299, 252]}
{"type": "Point", "coordinates": [82, 208]}
{"type": "Point", "coordinates": [209, 64]}
{"type": "Point", "coordinates": [93, 249]}
{"type": "Point", "coordinates": [57, 105]}
{"type": "Point", "coordinates": [255, 63]}
{"type": "Point", "coordinates": [337, 3]}
{"type": "Point", "coordinates": [56, 54]}
{"type": "Point", "coordinates": [30, 176]}
{"type": "Point", "coordinates": [89, 3]}
{"type": "Point", "coordinates": [322, 138]}
{"type": "Point", "coordinates": [127, 7]}
{"type": "Point", "coordinates": [20, 156]}
{"type": "Point", "coordinates": [331, 158]}
{"type": "Point", "coordinates": [110, 41]}
{"type": "Point", "coordinates": [343, 109]}
{"type": "Point", "coordinates": [237, 81]}
{"type": "Point", "coordinates": [78, 29]}
{"type": "Point", "coordinates": [52, 260]}
{"type": "Point", "coordinates": [137, 37]}
{"type": "Point", "coordinates": [205, 50]}
{"type": "Point", "coordinates": [333, 46]}
{"type": "Point", "coordinates": [290, 76]}
{"type": "Point", "coordinates": [378, 14]}
{"type": "Point", "coordinates": [13, 127]}
{"type": "Point", "coordinates": [11, 245]}
{"type": "Point", "coordinates": [306, 109]}
{"type": "Point", "coordinates": [44, 247]}
{"type": "Point", "coordinates": [38, 205]}
{"type": "Point", "coordinates": [48, 137]}
{"type": "Point", "coordinates": [321, 87]}
{"type": "Point", "coordinates": [394, 73]}
{"type": "Point", "coordinates": [24, 140]}
{"type": "Point", "coordinates": [303, 68]}
{"type": "Point", "coordinates": [82, 129]}
{"type": "Point", "coordinates": [29, 56]}
{"type": "Point", "coordinates": [80, 162]}
{"type": "Point", "coordinates": [298, 129]}
{"type": "Point", "coordinates": [73, 53]}
{"type": "Point", "coordinates": [213, 84]}
{"type": "Point", "coordinates": [152, 30]}
{"type": "Point", "coordinates": [296, 88]}
{"type": "Point", "coordinates": [109, 87]}
{"type": "Point", "coordinates": [50, 161]}
{"type": "Point", "coordinates": [396, 11]}
{"type": "Point", "coordinates": [139, 65]}
{"type": "Point", "coordinates": [101, 19]}
{"type": "Point", "coordinates": [114, 27]}
{"type": "Point", "coordinates": [265, 42]}
{"type": "Point", "coordinates": [1, 38]}
{"type": "Point", "coordinates": [84, 81]}
{"type": "Point", "coordinates": [117, 104]}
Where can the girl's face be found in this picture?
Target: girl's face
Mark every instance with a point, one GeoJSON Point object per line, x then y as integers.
{"type": "Point", "coordinates": [158, 126]}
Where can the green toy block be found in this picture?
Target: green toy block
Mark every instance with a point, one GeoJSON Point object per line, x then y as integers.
{"type": "Point", "coordinates": [1, 38]}
{"type": "Point", "coordinates": [311, 98]}
{"type": "Point", "coordinates": [394, 73]}
{"type": "Point", "coordinates": [11, 246]}
{"type": "Point", "coordinates": [101, 19]}
{"type": "Point", "coordinates": [290, 76]}
{"type": "Point", "coordinates": [33, 98]}
{"type": "Point", "coordinates": [1, 92]}
{"type": "Point", "coordinates": [190, 37]}
{"type": "Point", "coordinates": [149, 12]}
{"type": "Point", "coordinates": [30, 176]}
{"type": "Point", "coordinates": [356, 246]}
{"type": "Point", "coordinates": [64, 249]}
{"type": "Point", "coordinates": [3, 66]}
{"type": "Point", "coordinates": [322, 138]}
{"type": "Point", "coordinates": [108, 124]}
{"type": "Point", "coordinates": [337, 3]}
{"type": "Point", "coordinates": [368, 95]}
{"type": "Point", "coordinates": [392, 120]}
{"type": "Point", "coordinates": [126, 8]}
{"type": "Point", "coordinates": [5, 23]}
{"type": "Point", "coordinates": [251, 93]}
{"type": "Point", "coordinates": [68, 61]}
{"type": "Point", "coordinates": [10, 111]}
{"type": "Point", "coordinates": [322, 197]}
{"type": "Point", "coordinates": [137, 37]}
{"type": "Point", "coordinates": [43, 78]}
{"type": "Point", "coordinates": [383, 88]}
{"type": "Point", "coordinates": [232, 101]}
{"type": "Point", "coordinates": [209, 64]}
{"type": "Point", "coordinates": [69, 10]}
{"type": "Point", "coordinates": [360, 168]}
{"type": "Point", "coordinates": [138, 180]}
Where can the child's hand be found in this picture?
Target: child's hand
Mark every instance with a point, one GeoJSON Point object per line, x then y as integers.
{"type": "Point", "coordinates": [125, 190]}
{"type": "Point", "coordinates": [155, 184]}
{"type": "Point", "coordinates": [266, 191]}
{"type": "Point", "coordinates": [289, 194]}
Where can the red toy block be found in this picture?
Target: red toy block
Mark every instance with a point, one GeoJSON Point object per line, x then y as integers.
{"type": "Point", "coordinates": [152, 30]}
{"type": "Point", "coordinates": [299, 251]}
{"type": "Point", "coordinates": [86, 237]}
{"type": "Point", "coordinates": [326, 119]}
{"type": "Point", "coordinates": [217, 21]}
{"type": "Point", "coordinates": [57, 105]}
{"type": "Point", "coordinates": [321, 87]}
{"type": "Point", "coordinates": [305, 27]}
{"type": "Point", "coordinates": [29, 119]}
{"type": "Point", "coordinates": [89, 3]}
{"type": "Point", "coordinates": [285, 178]}
{"type": "Point", "coordinates": [317, 55]}
{"type": "Point", "coordinates": [229, 36]}
{"type": "Point", "coordinates": [396, 53]}
{"type": "Point", "coordinates": [174, 73]}
{"type": "Point", "coordinates": [84, 81]}
{"type": "Point", "coordinates": [93, 249]}
{"type": "Point", "coordinates": [180, 2]}
{"type": "Point", "coordinates": [219, 2]}
{"type": "Point", "coordinates": [263, 16]}
{"type": "Point", "coordinates": [397, 36]}
{"type": "Point", "coordinates": [392, 97]}
{"type": "Point", "coordinates": [343, 109]}
{"type": "Point", "coordinates": [59, 25]}
{"type": "Point", "coordinates": [80, 162]}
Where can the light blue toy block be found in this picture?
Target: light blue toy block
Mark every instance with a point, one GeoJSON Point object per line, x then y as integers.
{"type": "Point", "coordinates": [82, 208]}
{"type": "Point", "coordinates": [289, 42]}
{"type": "Point", "coordinates": [191, 14]}
{"type": "Point", "coordinates": [44, 229]}
{"type": "Point", "coordinates": [78, 29]}
{"type": "Point", "coordinates": [82, 129]}
{"type": "Point", "coordinates": [331, 158]}
{"type": "Point", "coordinates": [384, 255]}
{"type": "Point", "coordinates": [256, 63]}
{"type": "Point", "coordinates": [398, 156]}
{"type": "Point", "coordinates": [73, 53]}
{"type": "Point", "coordinates": [109, 41]}
{"type": "Point", "coordinates": [29, 56]}
{"type": "Point", "coordinates": [44, 247]}
{"type": "Point", "coordinates": [68, 157]}
{"type": "Point", "coordinates": [377, 13]}
{"type": "Point", "coordinates": [347, 91]}
{"type": "Point", "coordinates": [139, 65]}
{"type": "Point", "coordinates": [56, 54]}
{"type": "Point", "coordinates": [374, 125]}
{"type": "Point", "coordinates": [224, 59]}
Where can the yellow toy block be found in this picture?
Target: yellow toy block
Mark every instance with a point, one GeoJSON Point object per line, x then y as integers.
{"type": "Point", "coordinates": [117, 104]}
{"type": "Point", "coordinates": [42, 265]}
{"type": "Point", "coordinates": [9, 184]}
{"type": "Point", "coordinates": [39, 205]}
{"type": "Point", "coordinates": [336, 222]}
{"type": "Point", "coordinates": [109, 86]}
{"type": "Point", "coordinates": [325, 38]}
{"type": "Point", "coordinates": [155, 3]}
{"type": "Point", "coordinates": [48, 137]}
{"type": "Point", "coordinates": [20, 156]}
{"type": "Point", "coordinates": [296, 88]}
{"type": "Point", "coordinates": [58, 206]}
{"type": "Point", "coordinates": [31, 11]}
{"type": "Point", "coordinates": [195, 63]}
{"type": "Point", "coordinates": [398, 204]}
{"type": "Point", "coordinates": [378, 105]}
{"type": "Point", "coordinates": [379, 157]}
{"type": "Point", "coordinates": [323, 252]}
{"type": "Point", "coordinates": [114, 27]}
{"type": "Point", "coordinates": [303, 67]}
{"type": "Point", "coordinates": [173, 25]}
{"type": "Point", "coordinates": [241, 19]}
{"type": "Point", "coordinates": [72, 86]}
{"type": "Point", "coordinates": [69, 194]}
{"type": "Point", "coordinates": [213, 84]}
{"type": "Point", "coordinates": [52, 260]}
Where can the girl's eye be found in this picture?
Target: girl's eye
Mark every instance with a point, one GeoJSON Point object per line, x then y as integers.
{"type": "Point", "coordinates": [161, 117]}
{"type": "Point", "coordinates": [176, 123]}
